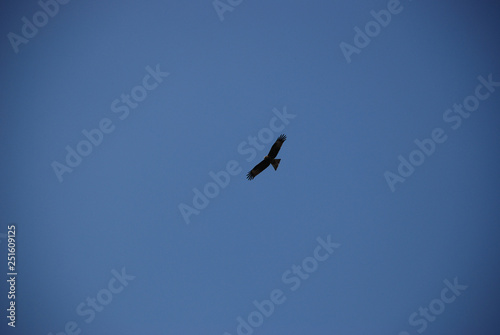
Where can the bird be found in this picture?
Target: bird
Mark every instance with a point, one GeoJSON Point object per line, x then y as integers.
{"type": "Point", "coordinates": [270, 159]}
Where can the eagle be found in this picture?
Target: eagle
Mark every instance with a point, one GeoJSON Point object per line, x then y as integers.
{"type": "Point", "coordinates": [270, 159]}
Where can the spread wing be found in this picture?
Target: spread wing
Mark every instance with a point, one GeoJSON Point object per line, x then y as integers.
{"type": "Point", "coordinates": [258, 169]}
{"type": "Point", "coordinates": [277, 146]}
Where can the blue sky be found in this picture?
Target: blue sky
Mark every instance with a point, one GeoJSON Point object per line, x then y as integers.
{"type": "Point", "coordinates": [170, 92]}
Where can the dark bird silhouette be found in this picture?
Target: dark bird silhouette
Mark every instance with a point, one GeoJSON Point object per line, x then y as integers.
{"type": "Point", "coordinates": [270, 159]}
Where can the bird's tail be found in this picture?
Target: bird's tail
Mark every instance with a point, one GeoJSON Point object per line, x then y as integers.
{"type": "Point", "coordinates": [275, 163]}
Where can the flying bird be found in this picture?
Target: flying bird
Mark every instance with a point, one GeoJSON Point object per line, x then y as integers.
{"type": "Point", "coordinates": [270, 159]}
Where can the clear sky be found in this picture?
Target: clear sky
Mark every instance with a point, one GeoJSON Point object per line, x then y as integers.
{"type": "Point", "coordinates": [127, 129]}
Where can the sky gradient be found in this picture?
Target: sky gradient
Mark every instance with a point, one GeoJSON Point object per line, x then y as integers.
{"type": "Point", "coordinates": [128, 128]}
